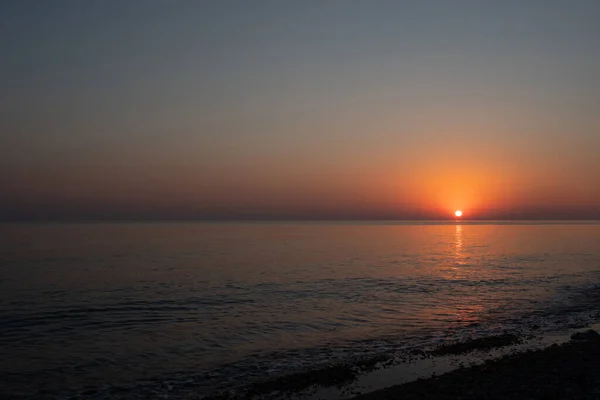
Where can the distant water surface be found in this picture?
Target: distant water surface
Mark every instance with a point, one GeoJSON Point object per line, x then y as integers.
{"type": "Point", "coordinates": [151, 305]}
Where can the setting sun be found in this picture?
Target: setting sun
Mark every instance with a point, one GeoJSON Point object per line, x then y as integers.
{"type": "Point", "coordinates": [458, 213]}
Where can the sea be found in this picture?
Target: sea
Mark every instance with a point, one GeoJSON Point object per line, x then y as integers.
{"type": "Point", "coordinates": [142, 310]}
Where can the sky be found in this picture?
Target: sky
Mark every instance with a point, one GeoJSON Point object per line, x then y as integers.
{"type": "Point", "coordinates": [133, 110]}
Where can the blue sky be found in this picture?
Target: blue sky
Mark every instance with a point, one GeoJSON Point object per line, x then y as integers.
{"type": "Point", "coordinates": [161, 109]}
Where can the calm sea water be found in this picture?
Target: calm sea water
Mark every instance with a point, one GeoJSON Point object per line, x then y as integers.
{"type": "Point", "coordinates": [149, 306]}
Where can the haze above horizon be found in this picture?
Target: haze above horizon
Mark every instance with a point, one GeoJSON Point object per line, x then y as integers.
{"type": "Point", "coordinates": [306, 110]}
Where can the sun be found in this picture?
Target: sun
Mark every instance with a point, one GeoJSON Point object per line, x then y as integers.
{"type": "Point", "coordinates": [458, 213]}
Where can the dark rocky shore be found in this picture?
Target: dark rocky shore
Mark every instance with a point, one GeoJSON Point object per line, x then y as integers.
{"type": "Point", "coordinates": [343, 376]}
{"type": "Point", "coordinates": [568, 371]}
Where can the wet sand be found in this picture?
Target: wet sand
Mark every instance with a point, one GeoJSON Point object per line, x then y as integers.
{"type": "Point", "coordinates": [567, 371]}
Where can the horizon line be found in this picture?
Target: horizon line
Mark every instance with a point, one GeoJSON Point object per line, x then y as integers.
{"type": "Point", "coordinates": [449, 220]}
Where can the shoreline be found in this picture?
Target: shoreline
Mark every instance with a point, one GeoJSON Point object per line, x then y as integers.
{"type": "Point", "coordinates": [566, 371]}
{"type": "Point", "coordinates": [390, 376]}
{"type": "Point", "coordinates": [557, 365]}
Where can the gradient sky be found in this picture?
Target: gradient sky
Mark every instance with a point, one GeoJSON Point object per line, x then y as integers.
{"type": "Point", "coordinates": [305, 109]}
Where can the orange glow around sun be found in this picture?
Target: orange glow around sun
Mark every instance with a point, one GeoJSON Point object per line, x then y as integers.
{"type": "Point", "coordinates": [458, 213]}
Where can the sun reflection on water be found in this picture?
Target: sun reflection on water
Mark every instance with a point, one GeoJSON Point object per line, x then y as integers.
{"type": "Point", "coordinates": [465, 307]}
{"type": "Point", "coordinates": [458, 245]}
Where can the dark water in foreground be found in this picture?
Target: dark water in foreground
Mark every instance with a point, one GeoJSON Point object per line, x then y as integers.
{"type": "Point", "coordinates": [154, 306]}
